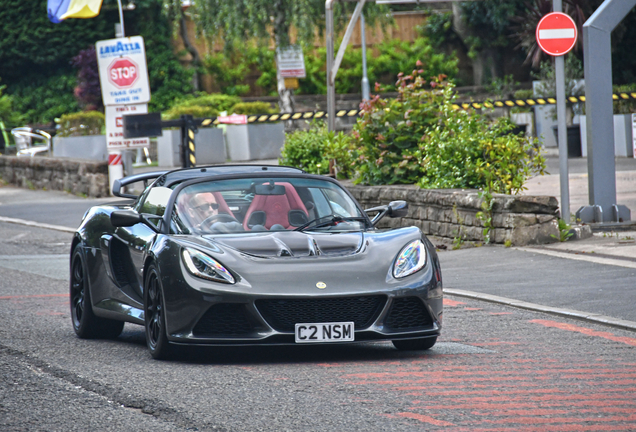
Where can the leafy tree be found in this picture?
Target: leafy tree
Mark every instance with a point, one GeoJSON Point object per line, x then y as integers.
{"type": "Point", "coordinates": [36, 55]}
{"type": "Point", "coordinates": [237, 20]}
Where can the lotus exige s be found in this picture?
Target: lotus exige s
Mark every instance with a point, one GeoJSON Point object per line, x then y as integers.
{"type": "Point", "coordinates": [245, 255]}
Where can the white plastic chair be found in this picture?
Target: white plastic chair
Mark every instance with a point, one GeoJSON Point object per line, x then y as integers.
{"type": "Point", "coordinates": [24, 137]}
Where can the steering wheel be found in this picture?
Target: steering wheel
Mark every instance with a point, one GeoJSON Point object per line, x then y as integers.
{"type": "Point", "coordinates": [221, 217]}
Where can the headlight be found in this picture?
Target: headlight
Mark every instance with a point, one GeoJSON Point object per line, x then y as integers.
{"type": "Point", "coordinates": [411, 259]}
{"type": "Point", "coordinates": [205, 267]}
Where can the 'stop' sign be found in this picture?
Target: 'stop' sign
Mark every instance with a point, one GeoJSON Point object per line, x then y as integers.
{"type": "Point", "coordinates": [123, 74]}
{"type": "Point", "coordinates": [556, 34]}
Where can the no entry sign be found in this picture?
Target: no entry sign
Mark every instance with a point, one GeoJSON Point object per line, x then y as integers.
{"type": "Point", "coordinates": [556, 34]}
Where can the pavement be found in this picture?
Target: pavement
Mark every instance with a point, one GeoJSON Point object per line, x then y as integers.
{"type": "Point", "coordinates": [600, 271]}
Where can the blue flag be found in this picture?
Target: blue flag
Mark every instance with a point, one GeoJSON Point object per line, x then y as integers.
{"type": "Point", "coordinates": [59, 10]}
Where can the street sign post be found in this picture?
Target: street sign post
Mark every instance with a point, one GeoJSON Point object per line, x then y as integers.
{"type": "Point", "coordinates": [123, 76]}
{"type": "Point", "coordinates": [556, 35]}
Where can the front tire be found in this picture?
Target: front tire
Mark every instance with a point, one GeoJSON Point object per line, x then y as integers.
{"type": "Point", "coordinates": [420, 344]}
{"type": "Point", "coordinates": [85, 323]}
{"type": "Point", "coordinates": [155, 317]}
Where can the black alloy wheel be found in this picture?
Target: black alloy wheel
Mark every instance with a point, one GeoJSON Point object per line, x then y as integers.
{"type": "Point", "coordinates": [420, 344]}
{"type": "Point", "coordinates": [85, 323]}
{"type": "Point", "coordinates": [154, 316]}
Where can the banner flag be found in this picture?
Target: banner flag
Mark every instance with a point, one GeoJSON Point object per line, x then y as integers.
{"type": "Point", "coordinates": [59, 10]}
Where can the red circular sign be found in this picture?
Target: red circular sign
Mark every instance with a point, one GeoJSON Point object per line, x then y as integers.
{"type": "Point", "coordinates": [123, 72]}
{"type": "Point", "coordinates": [556, 34]}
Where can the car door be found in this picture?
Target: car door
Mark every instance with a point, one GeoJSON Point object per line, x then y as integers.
{"type": "Point", "coordinates": [131, 244]}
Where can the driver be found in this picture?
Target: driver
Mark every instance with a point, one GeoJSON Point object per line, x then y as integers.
{"type": "Point", "coordinates": [202, 206]}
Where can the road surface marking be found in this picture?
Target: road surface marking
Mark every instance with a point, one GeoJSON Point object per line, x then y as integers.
{"type": "Point", "coordinates": [586, 331]}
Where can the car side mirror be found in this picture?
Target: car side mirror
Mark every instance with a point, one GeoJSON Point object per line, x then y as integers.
{"type": "Point", "coordinates": [128, 218]}
{"type": "Point", "coordinates": [393, 210]}
{"type": "Point", "coordinates": [398, 209]}
{"type": "Point", "coordinates": [125, 218]}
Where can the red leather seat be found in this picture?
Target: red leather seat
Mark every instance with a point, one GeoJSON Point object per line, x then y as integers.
{"type": "Point", "coordinates": [269, 210]}
{"type": "Point", "coordinates": [223, 207]}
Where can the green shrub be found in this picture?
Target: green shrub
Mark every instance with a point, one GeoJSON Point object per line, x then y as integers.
{"type": "Point", "coordinates": [388, 133]}
{"type": "Point", "coordinates": [420, 138]}
{"type": "Point", "coordinates": [205, 105]}
{"type": "Point", "coordinates": [306, 149]}
{"type": "Point", "coordinates": [316, 148]}
{"type": "Point", "coordinates": [232, 71]}
{"type": "Point", "coordinates": [341, 150]}
{"type": "Point", "coordinates": [393, 57]}
{"type": "Point", "coordinates": [251, 108]}
{"type": "Point", "coordinates": [81, 124]}
{"type": "Point", "coordinates": [195, 111]}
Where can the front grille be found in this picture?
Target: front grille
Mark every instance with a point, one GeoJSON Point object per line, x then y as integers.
{"type": "Point", "coordinates": [283, 314]}
{"type": "Point", "coordinates": [225, 319]}
{"type": "Point", "coordinates": [408, 313]}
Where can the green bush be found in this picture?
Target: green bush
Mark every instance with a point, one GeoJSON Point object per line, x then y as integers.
{"type": "Point", "coordinates": [420, 138]}
{"type": "Point", "coordinates": [341, 150]}
{"type": "Point", "coordinates": [393, 57]}
{"type": "Point", "coordinates": [204, 105]}
{"type": "Point", "coordinates": [306, 149]}
{"type": "Point", "coordinates": [81, 124]}
{"type": "Point", "coordinates": [8, 115]}
{"type": "Point", "coordinates": [230, 70]}
{"type": "Point", "coordinates": [251, 108]}
{"type": "Point", "coordinates": [316, 148]}
{"type": "Point", "coordinates": [388, 133]}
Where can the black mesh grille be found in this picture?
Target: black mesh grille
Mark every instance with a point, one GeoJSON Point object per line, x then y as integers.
{"type": "Point", "coordinates": [408, 313]}
{"type": "Point", "coordinates": [283, 314]}
{"type": "Point", "coordinates": [225, 319]}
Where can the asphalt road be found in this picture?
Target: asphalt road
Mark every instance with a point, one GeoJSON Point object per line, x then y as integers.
{"type": "Point", "coordinates": [494, 368]}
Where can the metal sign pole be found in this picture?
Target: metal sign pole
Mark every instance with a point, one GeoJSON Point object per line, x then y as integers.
{"type": "Point", "coordinates": [559, 63]}
{"type": "Point", "coordinates": [121, 18]}
{"type": "Point", "coordinates": [366, 92]}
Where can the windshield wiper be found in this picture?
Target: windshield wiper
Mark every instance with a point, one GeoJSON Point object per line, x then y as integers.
{"type": "Point", "coordinates": [330, 220]}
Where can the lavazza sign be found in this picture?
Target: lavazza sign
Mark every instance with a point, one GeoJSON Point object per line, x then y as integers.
{"type": "Point", "coordinates": [122, 71]}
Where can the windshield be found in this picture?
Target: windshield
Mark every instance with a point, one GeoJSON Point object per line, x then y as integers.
{"type": "Point", "coordinates": [265, 204]}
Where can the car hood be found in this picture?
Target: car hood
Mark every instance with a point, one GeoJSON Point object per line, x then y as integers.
{"type": "Point", "coordinates": [293, 244]}
{"type": "Point", "coordinates": [346, 262]}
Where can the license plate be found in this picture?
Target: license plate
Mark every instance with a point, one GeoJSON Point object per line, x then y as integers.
{"type": "Point", "coordinates": [324, 332]}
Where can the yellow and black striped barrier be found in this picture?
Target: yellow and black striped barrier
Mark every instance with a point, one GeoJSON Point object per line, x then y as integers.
{"type": "Point", "coordinates": [507, 103]}
{"type": "Point", "coordinates": [510, 103]}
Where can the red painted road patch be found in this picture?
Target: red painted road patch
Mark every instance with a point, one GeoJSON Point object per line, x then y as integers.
{"type": "Point", "coordinates": [586, 331]}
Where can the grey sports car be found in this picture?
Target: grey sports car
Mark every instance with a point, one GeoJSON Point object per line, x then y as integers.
{"type": "Point", "coordinates": [245, 254]}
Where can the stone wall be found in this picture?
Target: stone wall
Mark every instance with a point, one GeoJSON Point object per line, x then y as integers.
{"type": "Point", "coordinates": [452, 213]}
{"type": "Point", "coordinates": [449, 213]}
{"type": "Point", "coordinates": [80, 177]}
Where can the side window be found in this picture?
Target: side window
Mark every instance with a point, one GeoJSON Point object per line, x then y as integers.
{"type": "Point", "coordinates": [339, 204]}
{"type": "Point", "coordinates": [321, 204]}
{"type": "Point", "coordinates": [155, 203]}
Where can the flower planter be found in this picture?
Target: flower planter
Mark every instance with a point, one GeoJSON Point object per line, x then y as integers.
{"type": "Point", "coordinates": [91, 147]}
{"type": "Point", "coordinates": [623, 140]}
{"type": "Point", "coordinates": [209, 147]}
{"type": "Point", "coordinates": [255, 141]}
